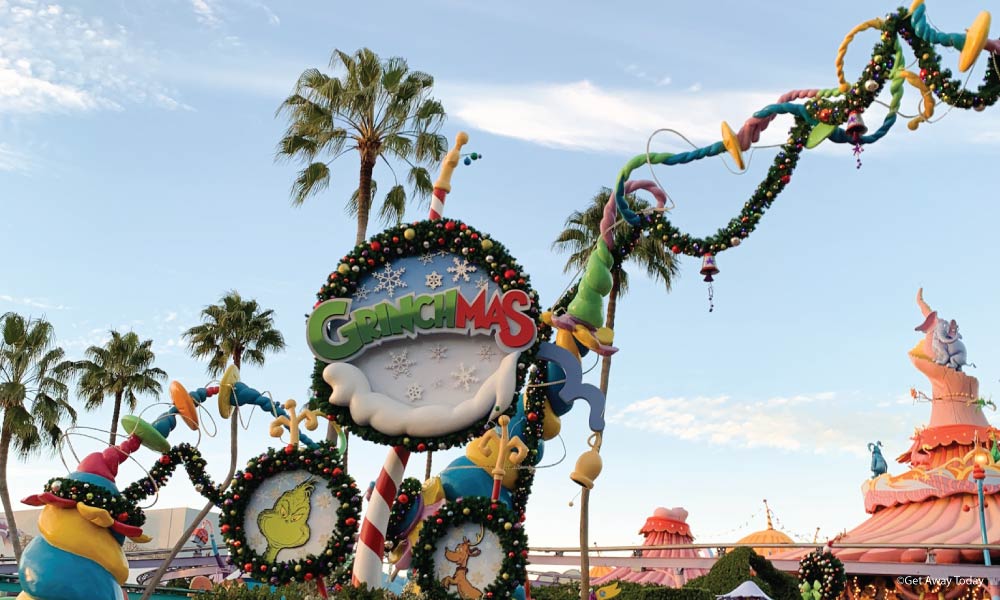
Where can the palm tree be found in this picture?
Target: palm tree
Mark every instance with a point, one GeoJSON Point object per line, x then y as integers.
{"type": "Point", "coordinates": [34, 396]}
{"type": "Point", "coordinates": [378, 108]}
{"type": "Point", "coordinates": [583, 230]}
{"type": "Point", "coordinates": [120, 368]}
{"type": "Point", "coordinates": [234, 329]}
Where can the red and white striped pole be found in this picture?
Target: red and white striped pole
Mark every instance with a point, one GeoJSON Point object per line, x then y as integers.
{"type": "Point", "coordinates": [443, 184]}
{"type": "Point", "coordinates": [371, 540]}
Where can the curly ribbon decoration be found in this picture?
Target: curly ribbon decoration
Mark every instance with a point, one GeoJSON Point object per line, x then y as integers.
{"type": "Point", "coordinates": [842, 51]}
{"type": "Point", "coordinates": [928, 33]}
{"type": "Point", "coordinates": [611, 208]}
{"type": "Point", "coordinates": [750, 132]}
{"type": "Point", "coordinates": [928, 109]}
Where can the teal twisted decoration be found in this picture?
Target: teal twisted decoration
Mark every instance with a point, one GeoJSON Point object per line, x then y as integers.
{"type": "Point", "coordinates": [929, 34]}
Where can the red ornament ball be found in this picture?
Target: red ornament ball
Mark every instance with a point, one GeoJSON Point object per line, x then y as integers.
{"type": "Point", "coordinates": [248, 476]}
{"type": "Point", "coordinates": [449, 226]}
{"type": "Point", "coordinates": [164, 460]}
{"type": "Point", "coordinates": [337, 472]}
{"type": "Point", "coordinates": [309, 576]}
{"type": "Point", "coordinates": [247, 567]}
{"type": "Point", "coordinates": [532, 417]}
{"type": "Point", "coordinates": [350, 521]}
{"type": "Point", "coordinates": [403, 499]}
{"type": "Point", "coordinates": [289, 449]}
{"type": "Point", "coordinates": [510, 273]}
{"type": "Point", "coordinates": [376, 246]}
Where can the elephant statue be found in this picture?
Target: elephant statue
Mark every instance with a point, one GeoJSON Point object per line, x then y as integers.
{"type": "Point", "coordinates": [879, 466]}
{"type": "Point", "coordinates": [945, 340]}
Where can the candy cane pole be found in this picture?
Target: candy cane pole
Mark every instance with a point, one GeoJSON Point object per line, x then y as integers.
{"type": "Point", "coordinates": [443, 184]}
{"type": "Point", "coordinates": [371, 547]}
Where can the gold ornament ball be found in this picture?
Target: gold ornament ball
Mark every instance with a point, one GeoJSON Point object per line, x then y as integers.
{"type": "Point", "coordinates": [466, 511]}
{"type": "Point", "coordinates": [410, 233]}
{"type": "Point", "coordinates": [343, 269]}
{"type": "Point", "coordinates": [487, 244]}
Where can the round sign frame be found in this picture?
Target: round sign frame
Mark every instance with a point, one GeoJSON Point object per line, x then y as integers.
{"type": "Point", "coordinates": [325, 464]}
{"type": "Point", "coordinates": [492, 516]}
{"type": "Point", "coordinates": [460, 240]}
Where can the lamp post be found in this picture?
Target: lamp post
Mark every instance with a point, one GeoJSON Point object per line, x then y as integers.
{"type": "Point", "coordinates": [979, 474]}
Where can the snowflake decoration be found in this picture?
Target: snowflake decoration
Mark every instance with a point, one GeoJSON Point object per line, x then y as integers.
{"type": "Point", "coordinates": [442, 253]}
{"type": "Point", "coordinates": [433, 280]}
{"type": "Point", "coordinates": [399, 364]}
{"type": "Point", "coordinates": [361, 293]}
{"type": "Point", "coordinates": [461, 269]}
{"type": "Point", "coordinates": [414, 393]}
{"type": "Point", "coordinates": [324, 501]}
{"type": "Point", "coordinates": [482, 284]}
{"type": "Point", "coordinates": [389, 280]}
{"type": "Point", "coordinates": [426, 258]}
{"type": "Point", "coordinates": [486, 353]}
{"type": "Point", "coordinates": [464, 377]}
{"type": "Point", "coordinates": [438, 352]}
{"type": "Point", "coordinates": [438, 384]}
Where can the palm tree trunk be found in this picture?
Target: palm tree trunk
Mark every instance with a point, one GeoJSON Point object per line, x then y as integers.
{"type": "Point", "coordinates": [430, 460]}
{"type": "Point", "coordinates": [237, 356]}
{"type": "Point", "coordinates": [364, 196]}
{"type": "Point", "coordinates": [8, 511]}
{"type": "Point", "coordinates": [114, 417]}
{"type": "Point", "coordinates": [609, 322]}
{"type": "Point", "coordinates": [162, 569]}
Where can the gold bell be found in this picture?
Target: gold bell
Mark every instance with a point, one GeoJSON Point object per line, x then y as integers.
{"type": "Point", "coordinates": [589, 465]}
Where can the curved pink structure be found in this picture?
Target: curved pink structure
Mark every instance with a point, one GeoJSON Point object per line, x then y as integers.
{"type": "Point", "coordinates": [935, 501]}
{"type": "Point", "coordinates": [665, 527]}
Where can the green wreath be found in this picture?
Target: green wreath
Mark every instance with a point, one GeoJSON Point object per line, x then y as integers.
{"type": "Point", "coordinates": [823, 572]}
{"type": "Point", "coordinates": [325, 464]}
{"type": "Point", "coordinates": [405, 241]}
{"type": "Point", "coordinates": [493, 516]}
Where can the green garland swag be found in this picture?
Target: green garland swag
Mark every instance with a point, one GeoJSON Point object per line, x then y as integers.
{"type": "Point", "coordinates": [164, 468]}
{"type": "Point", "coordinates": [414, 240]}
{"type": "Point", "coordinates": [408, 493]}
{"type": "Point", "coordinates": [119, 506]}
{"type": "Point", "coordinates": [493, 516]}
{"type": "Point", "coordinates": [830, 111]}
{"type": "Point", "coordinates": [827, 570]}
{"type": "Point", "coordinates": [324, 462]}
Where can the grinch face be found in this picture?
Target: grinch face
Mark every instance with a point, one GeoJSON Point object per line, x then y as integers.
{"type": "Point", "coordinates": [285, 525]}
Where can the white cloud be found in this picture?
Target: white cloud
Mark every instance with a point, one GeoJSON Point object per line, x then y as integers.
{"type": "Point", "coordinates": [54, 59]}
{"type": "Point", "coordinates": [817, 423]}
{"type": "Point", "coordinates": [205, 13]}
{"type": "Point", "coordinates": [696, 87]}
{"type": "Point", "coordinates": [11, 160]}
{"type": "Point", "coordinates": [639, 73]}
{"type": "Point", "coordinates": [31, 302]}
{"type": "Point", "coordinates": [584, 116]}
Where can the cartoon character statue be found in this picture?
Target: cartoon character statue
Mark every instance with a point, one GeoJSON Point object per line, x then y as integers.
{"type": "Point", "coordinates": [945, 340]}
{"type": "Point", "coordinates": [285, 525]}
{"type": "Point", "coordinates": [79, 555]}
{"type": "Point", "coordinates": [879, 466]}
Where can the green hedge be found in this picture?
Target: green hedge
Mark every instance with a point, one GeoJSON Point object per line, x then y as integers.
{"type": "Point", "coordinates": [665, 593]}
{"type": "Point", "coordinates": [735, 567]}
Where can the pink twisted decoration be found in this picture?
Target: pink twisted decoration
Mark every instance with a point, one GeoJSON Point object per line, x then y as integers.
{"type": "Point", "coordinates": [611, 207]}
{"type": "Point", "coordinates": [751, 130]}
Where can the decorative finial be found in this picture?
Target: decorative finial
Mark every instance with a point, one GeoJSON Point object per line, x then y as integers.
{"type": "Point", "coordinates": [511, 450]}
{"type": "Point", "coordinates": [292, 423]}
{"type": "Point", "coordinates": [767, 511]}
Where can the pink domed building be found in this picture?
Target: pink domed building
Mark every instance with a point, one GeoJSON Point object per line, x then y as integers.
{"type": "Point", "coordinates": [666, 527]}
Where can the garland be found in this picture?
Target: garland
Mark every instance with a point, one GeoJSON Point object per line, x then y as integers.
{"type": "Point", "coordinates": [404, 241]}
{"type": "Point", "coordinates": [120, 507]}
{"type": "Point", "coordinates": [494, 517]}
{"type": "Point", "coordinates": [409, 492]}
{"type": "Point", "coordinates": [164, 468]}
{"type": "Point", "coordinates": [824, 570]}
{"type": "Point", "coordinates": [323, 462]}
{"type": "Point", "coordinates": [820, 110]}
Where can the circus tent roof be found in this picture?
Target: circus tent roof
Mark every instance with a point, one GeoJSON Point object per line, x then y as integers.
{"type": "Point", "coordinates": [747, 589]}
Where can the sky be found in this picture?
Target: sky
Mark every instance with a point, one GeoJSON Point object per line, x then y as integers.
{"type": "Point", "coordinates": [138, 184]}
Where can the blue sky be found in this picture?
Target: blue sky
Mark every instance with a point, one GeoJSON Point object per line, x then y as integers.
{"type": "Point", "coordinates": [137, 184]}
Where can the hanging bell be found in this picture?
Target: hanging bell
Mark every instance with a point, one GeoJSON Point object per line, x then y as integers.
{"type": "Point", "coordinates": [708, 267]}
{"type": "Point", "coordinates": [855, 126]}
